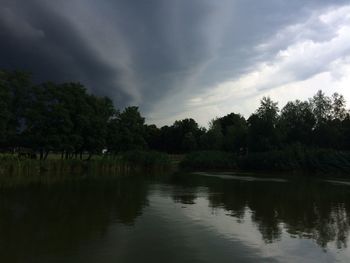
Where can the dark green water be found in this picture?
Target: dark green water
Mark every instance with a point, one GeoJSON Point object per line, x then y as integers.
{"type": "Point", "coordinates": [186, 218]}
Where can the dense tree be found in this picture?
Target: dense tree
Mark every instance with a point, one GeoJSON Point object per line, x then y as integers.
{"type": "Point", "coordinates": [213, 139]}
{"type": "Point", "coordinates": [127, 131]}
{"type": "Point", "coordinates": [5, 110]}
{"type": "Point", "coordinates": [297, 122]}
{"type": "Point", "coordinates": [234, 132]}
{"type": "Point", "coordinates": [322, 107]}
{"type": "Point", "coordinates": [15, 95]}
{"type": "Point", "coordinates": [66, 119]}
{"type": "Point", "coordinates": [329, 114]}
{"type": "Point", "coordinates": [183, 136]}
{"type": "Point", "coordinates": [153, 137]}
{"type": "Point", "coordinates": [338, 107]}
{"type": "Point", "coordinates": [263, 134]}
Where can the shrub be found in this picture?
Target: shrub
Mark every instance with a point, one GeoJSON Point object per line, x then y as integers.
{"type": "Point", "coordinates": [209, 160]}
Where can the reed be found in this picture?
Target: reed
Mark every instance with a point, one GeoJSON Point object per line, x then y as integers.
{"type": "Point", "coordinates": [123, 164]}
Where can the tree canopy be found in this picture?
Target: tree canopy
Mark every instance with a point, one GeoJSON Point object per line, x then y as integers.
{"type": "Point", "coordinates": [67, 119]}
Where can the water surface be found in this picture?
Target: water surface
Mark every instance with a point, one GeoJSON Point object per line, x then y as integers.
{"type": "Point", "coordinates": [201, 217]}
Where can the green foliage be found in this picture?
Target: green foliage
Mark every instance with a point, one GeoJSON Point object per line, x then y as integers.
{"type": "Point", "coordinates": [230, 133]}
{"type": "Point", "coordinates": [297, 122]}
{"type": "Point", "coordinates": [292, 159]}
{"type": "Point", "coordinates": [298, 158]}
{"type": "Point", "coordinates": [263, 134]}
{"type": "Point", "coordinates": [14, 98]}
{"type": "Point", "coordinates": [126, 131]}
{"type": "Point", "coordinates": [183, 136]}
{"type": "Point", "coordinates": [67, 120]}
{"type": "Point", "coordinates": [146, 159]}
{"type": "Point", "coordinates": [209, 160]}
{"type": "Point", "coordinates": [322, 107]}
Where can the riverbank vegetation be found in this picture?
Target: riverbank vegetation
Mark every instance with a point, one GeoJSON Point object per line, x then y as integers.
{"type": "Point", "coordinates": [39, 121]}
{"type": "Point", "coordinates": [131, 162]}
{"type": "Point", "coordinates": [292, 159]}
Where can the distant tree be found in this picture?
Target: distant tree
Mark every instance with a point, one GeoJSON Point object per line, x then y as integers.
{"type": "Point", "coordinates": [329, 113]}
{"type": "Point", "coordinates": [213, 139]}
{"type": "Point", "coordinates": [127, 131]}
{"type": "Point", "coordinates": [262, 127]}
{"type": "Point", "coordinates": [153, 137]}
{"type": "Point", "coordinates": [345, 130]}
{"type": "Point", "coordinates": [268, 111]}
{"type": "Point", "coordinates": [321, 107]}
{"type": "Point", "coordinates": [166, 142]}
{"type": "Point", "coordinates": [5, 108]}
{"type": "Point", "coordinates": [186, 134]}
{"type": "Point", "coordinates": [297, 122]}
{"type": "Point", "coordinates": [66, 118]}
{"type": "Point", "coordinates": [101, 111]}
{"type": "Point", "coordinates": [189, 142]}
{"type": "Point", "coordinates": [338, 107]}
{"type": "Point", "coordinates": [15, 87]}
{"type": "Point", "coordinates": [234, 130]}
{"type": "Point", "coordinates": [41, 131]}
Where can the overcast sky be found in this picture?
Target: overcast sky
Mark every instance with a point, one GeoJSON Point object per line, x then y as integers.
{"type": "Point", "coordinates": [182, 58]}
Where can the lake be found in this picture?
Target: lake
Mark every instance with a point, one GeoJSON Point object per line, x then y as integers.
{"type": "Point", "coordinates": [199, 217]}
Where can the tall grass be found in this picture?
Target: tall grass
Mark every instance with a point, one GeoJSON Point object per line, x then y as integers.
{"type": "Point", "coordinates": [125, 164]}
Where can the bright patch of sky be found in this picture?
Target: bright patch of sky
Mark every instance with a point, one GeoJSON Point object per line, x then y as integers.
{"type": "Point", "coordinates": [310, 55]}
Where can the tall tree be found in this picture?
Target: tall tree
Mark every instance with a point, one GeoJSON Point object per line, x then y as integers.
{"type": "Point", "coordinates": [338, 107]}
{"type": "Point", "coordinates": [322, 107]}
{"type": "Point", "coordinates": [262, 127]}
{"type": "Point", "coordinates": [234, 130]}
{"type": "Point", "coordinates": [297, 122]}
{"type": "Point", "coordinates": [127, 131]}
{"type": "Point", "coordinates": [15, 94]}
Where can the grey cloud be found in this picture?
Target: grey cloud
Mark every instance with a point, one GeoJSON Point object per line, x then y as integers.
{"type": "Point", "coordinates": [161, 47]}
{"type": "Point", "coordinates": [59, 53]}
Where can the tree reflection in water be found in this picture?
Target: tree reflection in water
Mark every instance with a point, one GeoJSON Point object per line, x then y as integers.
{"type": "Point", "coordinates": [304, 208]}
{"type": "Point", "coordinates": [62, 216]}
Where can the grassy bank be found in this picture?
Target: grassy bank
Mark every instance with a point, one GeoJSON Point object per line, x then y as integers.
{"type": "Point", "coordinates": [294, 159]}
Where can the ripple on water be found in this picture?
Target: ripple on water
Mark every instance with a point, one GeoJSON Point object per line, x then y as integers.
{"type": "Point", "coordinates": [237, 176]}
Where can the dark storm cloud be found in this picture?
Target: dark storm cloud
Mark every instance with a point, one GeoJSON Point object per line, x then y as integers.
{"type": "Point", "coordinates": [37, 39]}
{"type": "Point", "coordinates": [142, 51]}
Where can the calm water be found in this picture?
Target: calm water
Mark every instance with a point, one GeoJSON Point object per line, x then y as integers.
{"type": "Point", "coordinates": [186, 218]}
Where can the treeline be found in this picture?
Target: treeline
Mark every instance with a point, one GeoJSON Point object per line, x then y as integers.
{"type": "Point", "coordinates": [66, 119]}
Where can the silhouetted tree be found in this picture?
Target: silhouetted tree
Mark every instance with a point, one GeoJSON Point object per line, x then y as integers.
{"type": "Point", "coordinates": [262, 127]}
{"type": "Point", "coordinates": [297, 122]}
{"type": "Point", "coordinates": [234, 131]}
{"type": "Point", "coordinates": [15, 95]}
{"type": "Point", "coordinates": [127, 131]}
{"type": "Point", "coordinates": [66, 118]}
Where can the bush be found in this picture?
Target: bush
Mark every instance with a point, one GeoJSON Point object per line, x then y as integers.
{"type": "Point", "coordinates": [146, 159]}
{"type": "Point", "coordinates": [209, 160]}
{"type": "Point", "coordinates": [292, 159]}
{"type": "Point", "coordinates": [298, 159]}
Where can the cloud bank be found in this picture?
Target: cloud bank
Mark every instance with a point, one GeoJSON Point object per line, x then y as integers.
{"type": "Point", "coordinates": [177, 59]}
